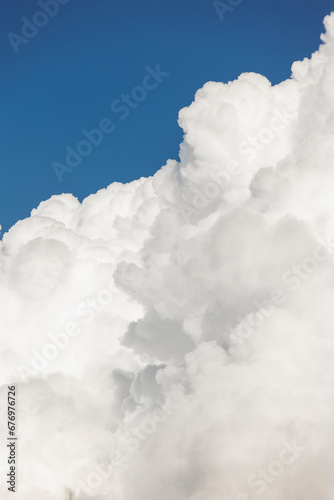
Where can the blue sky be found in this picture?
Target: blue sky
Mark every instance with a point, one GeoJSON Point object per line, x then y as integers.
{"type": "Point", "coordinates": [65, 78]}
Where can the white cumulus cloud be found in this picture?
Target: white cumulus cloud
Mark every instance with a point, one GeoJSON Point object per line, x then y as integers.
{"type": "Point", "coordinates": [172, 337]}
